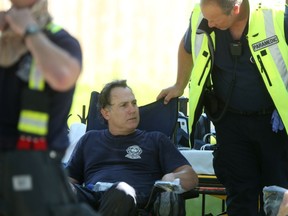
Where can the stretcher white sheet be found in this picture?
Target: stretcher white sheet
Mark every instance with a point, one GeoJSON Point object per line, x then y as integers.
{"type": "Point", "coordinates": [201, 161]}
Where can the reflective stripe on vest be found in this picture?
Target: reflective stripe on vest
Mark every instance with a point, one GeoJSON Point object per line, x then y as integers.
{"type": "Point", "coordinates": [203, 59]}
{"type": "Point", "coordinates": [268, 46]}
{"type": "Point", "coordinates": [36, 80]}
{"type": "Point", "coordinates": [53, 28]}
{"type": "Point", "coordinates": [33, 122]}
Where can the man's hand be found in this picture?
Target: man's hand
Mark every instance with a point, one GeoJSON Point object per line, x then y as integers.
{"type": "Point", "coordinates": [169, 93]}
{"type": "Point", "coordinates": [19, 19]}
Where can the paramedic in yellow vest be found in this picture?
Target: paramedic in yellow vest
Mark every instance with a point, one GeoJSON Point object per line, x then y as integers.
{"type": "Point", "coordinates": [39, 65]}
{"type": "Point", "coordinates": [234, 56]}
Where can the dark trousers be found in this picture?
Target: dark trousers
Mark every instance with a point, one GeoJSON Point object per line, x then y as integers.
{"type": "Point", "coordinates": [113, 202]}
{"type": "Point", "coordinates": [249, 156]}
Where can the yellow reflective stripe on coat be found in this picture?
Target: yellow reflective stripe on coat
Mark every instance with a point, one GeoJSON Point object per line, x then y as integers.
{"type": "Point", "coordinates": [196, 42]}
{"type": "Point", "coordinates": [33, 122]}
{"type": "Point", "coordinates": [202, 58]}
{"type": "Point", "coordinates": [53, 28]}
{"type": "Point", "coordinates": [200, 72]}
{"type": "Point", "coordinates": [36, 79]}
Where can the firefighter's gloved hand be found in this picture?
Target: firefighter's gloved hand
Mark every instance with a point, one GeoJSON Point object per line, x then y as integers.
{"type": "Point", "coordinates": [276, 122]}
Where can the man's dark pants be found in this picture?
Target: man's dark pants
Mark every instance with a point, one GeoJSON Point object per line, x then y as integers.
{"type": "Point", "coordinates": [249, 156]}
{"type": "Point", "coordinates": [113, 202]}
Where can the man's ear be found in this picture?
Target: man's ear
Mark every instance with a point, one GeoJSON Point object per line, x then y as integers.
{"type": "Point", "coordinates": [236, 9]}
{"type": "Point", "coordinates": [105, 113]}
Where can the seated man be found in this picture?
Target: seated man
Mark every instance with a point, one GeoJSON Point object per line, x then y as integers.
{"type": "Point", "coordinates": [129, 158]}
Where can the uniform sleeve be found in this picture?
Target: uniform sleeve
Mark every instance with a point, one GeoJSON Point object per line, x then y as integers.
{"type": "Point", "coordinates": [67, 42]}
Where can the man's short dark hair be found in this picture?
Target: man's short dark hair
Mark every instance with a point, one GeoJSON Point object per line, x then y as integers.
{"type": "Point", "coordinates": [105, 95]}
{"type": "Point", "coordinates": [226, 5]}
{"type": "Point", "coordinates": [104, 98]}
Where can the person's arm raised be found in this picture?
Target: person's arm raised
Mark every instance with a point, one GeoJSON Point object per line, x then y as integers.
{"type": "Point", "coordinates": [185, 65]}
{"type": "Point", "coordinates": [59, 68]}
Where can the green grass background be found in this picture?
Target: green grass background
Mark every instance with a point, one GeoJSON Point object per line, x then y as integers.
{"type": "Point", "coordinates": [213, 206]}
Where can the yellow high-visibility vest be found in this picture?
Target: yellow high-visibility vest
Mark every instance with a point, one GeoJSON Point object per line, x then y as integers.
{"type": "Point", "coordinates": [267, 42]}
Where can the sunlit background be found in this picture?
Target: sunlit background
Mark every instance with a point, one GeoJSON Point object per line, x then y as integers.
{"type": "Point", "coordinates": [135, 40]}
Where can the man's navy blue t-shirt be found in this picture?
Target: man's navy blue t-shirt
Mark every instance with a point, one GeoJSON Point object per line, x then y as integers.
{"type": "Point", "coordinates": [138, 159]}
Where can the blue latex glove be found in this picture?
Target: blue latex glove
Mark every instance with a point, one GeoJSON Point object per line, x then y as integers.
{"type": "Point", "coordinates": [276, 122]}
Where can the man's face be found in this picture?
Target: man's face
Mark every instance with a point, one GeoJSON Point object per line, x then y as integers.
{"type": "Point", "coordinates": [216, 17]}
{"type": "Point", "coordinates": [123, 114]}
{"type": "Point", "coordinates": [23, 3]}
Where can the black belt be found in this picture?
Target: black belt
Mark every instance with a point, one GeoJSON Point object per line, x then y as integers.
{"type": "Point", "coordinates": [251, 113]}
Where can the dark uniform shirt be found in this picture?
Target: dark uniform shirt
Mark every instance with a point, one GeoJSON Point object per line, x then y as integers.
{"type": "Point", "coordinates": [138, 159]}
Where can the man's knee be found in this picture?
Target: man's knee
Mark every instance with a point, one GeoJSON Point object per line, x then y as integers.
{"type": "Point", "coordinates": [116, 197]}
{"type": "Point", "coordinates": [122, 193]}
{"type": "Point", "coordinates": [127, 189]}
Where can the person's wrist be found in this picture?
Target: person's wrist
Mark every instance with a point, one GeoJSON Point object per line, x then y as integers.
{"type": "Point", "coordinates": [31, 29]}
